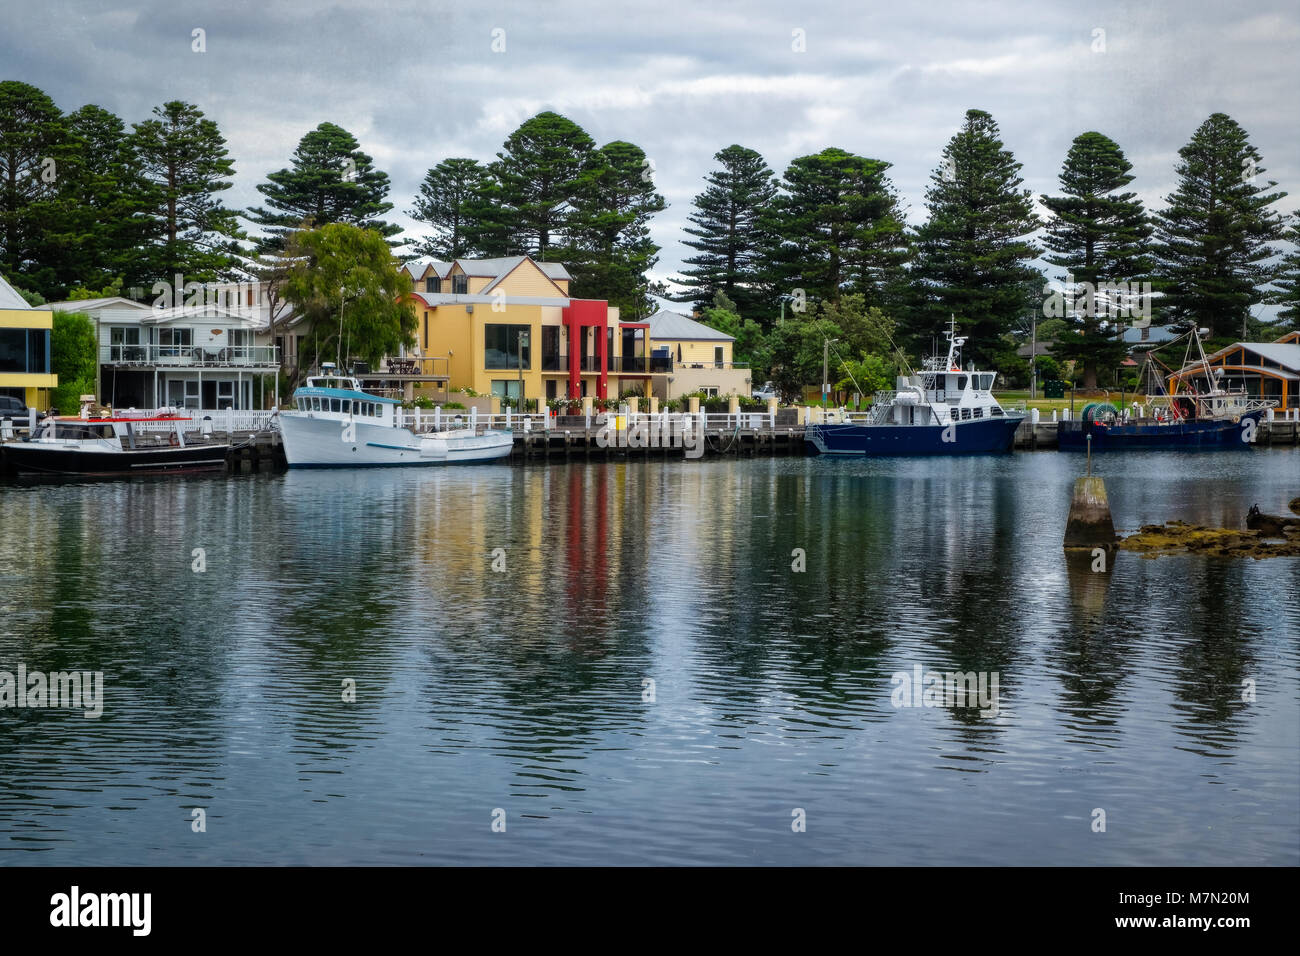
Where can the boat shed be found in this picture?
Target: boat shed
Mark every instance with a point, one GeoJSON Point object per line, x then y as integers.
{"type": "Point", "coordinates": [1267, 370]}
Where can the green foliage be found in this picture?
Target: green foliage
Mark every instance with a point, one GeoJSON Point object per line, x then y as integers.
{"type": "Point", "coordinates": [1214, 235]}
{"type": "Point", "coordinates": [1100, 237]}
{"type": "Point", "coordinates": [330, 180]}
{"type": "Point", "coordinates": [841, 227]}
{"type": "Point", "coordinates": [732, 237]}
{"type": "Point", "coordinates": [610, 249]}
{"type": "Point", "coordinates": [34, 143]}
{"type": "Point", "coordinates": [112, 290]}
{"type": "Point", "coordinates": [73, 358]}
{"type": "Point", "coordinates": [1288, 281]}
{"type": "Point", "coordinates": [868, 375]}
{"type": "Point", "coordinates": [344, 267]}
{"type": "Point", "coordinates": [973, 251]}
{"type": "Point", "coordinates": [185, 167]}
{"type": "Point", "coordinates": [455, 198]}
{"type": "Point", "coordinates": [539, 169]}
{"type": "Point", "coordinates": [453, 406]}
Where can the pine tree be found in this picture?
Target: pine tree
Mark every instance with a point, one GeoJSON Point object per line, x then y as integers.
{"type": "Point", "coordinates": [456, 199]}
{"type": "Point", "coordinates": [610, 249]}
{"type": "Point", "coordinates": [331, 180]}
{"type": "Point", "coordinates": [1288, 282]}
{"type": "Point", "coordinates": [841, 225]}
{"type": "Point", "coordinates": [34, 146]}
{"type": "Point", "coordinates": [1213, 237]}
{"type": "Point", "coordinates": [106, 214]}
{"type": "Point", "coordinates": [184, 161]}
{"type": "Point", "coordinates": [730, 226]}
{"type": "Point", "coordinates": [1099, 236]}
{"type": "Point", "coordinates": [972, 251]}
{"type": "Point", "coordinates": [538, 172]}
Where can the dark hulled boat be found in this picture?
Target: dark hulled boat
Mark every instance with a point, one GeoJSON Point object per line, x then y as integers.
{"type": "Point", "coordinates": [113, 446]}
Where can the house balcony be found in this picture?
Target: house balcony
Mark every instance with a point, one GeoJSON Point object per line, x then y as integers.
{"type": "Point", "coordinates": [265, 357]}
{"type": "Point", "coordinates": [618, 364]}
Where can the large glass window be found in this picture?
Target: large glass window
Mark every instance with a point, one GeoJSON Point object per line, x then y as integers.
{"type": "Point", "coordinates": [433, 284]}
{"type": "Point", "coordinates": [506, 388]}
{"type": "Point", "coordinates": [460, 285]}
{"type": "Point", "coordinates": [25, 351]}
{"type": "Point", "coordinates": [501, 346]}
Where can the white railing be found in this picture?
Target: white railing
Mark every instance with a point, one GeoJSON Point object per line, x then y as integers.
{"type": "Point", "coordinates": [197, 356]}
{"type": "Point", "coordinates": [221, 420]}
{"type": "Point", "coordinates": [437, 419]}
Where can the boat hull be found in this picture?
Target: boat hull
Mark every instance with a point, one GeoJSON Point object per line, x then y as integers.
{"type": "Point", "coordinates": [311, 442]}
{"type": "Point", "coordinates": [1196, 435]}
{"type": "Point", "coordinates": [982, 437]}
{"type": "Point", "coordinates": [34, 458]}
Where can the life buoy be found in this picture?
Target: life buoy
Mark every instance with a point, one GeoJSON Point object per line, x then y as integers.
{"type": "Point", "coordinates": [173, 440]}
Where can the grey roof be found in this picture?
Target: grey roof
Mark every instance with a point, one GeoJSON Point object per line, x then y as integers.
{"type": "Point", "coordinates": [92, 305]}
{"type": "Point", "coordinates": [1285, 354]}
{"type": "Point", "coordinates": [1153, 333]}
{"type": "Point", "coordinates": [674, 325]}
{"type": "Point", "coordinates": [9, 297]}
{"type": "Point", "coordinates": [419, 267]}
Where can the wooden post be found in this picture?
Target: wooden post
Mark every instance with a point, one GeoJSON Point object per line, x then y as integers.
{"type": "Point", "coordinates": [1089, 524]}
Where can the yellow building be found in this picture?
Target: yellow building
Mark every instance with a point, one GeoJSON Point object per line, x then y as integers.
{"type": "Point", "coordinates": [25, 370]}
{"type": "Point", "coordinates": [501, 325]}
{"type": "Point", "coordinates": [699, 358]}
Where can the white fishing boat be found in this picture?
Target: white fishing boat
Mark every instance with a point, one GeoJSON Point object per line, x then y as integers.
{"type": "Point", "coordinates": [334, 424]}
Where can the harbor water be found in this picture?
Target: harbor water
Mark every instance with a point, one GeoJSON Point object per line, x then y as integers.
{"type": "Point", "coordinates": [645, 662]}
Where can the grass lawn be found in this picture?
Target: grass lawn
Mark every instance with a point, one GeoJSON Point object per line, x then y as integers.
{"type": "Point", "coordinates": [1050, 405]}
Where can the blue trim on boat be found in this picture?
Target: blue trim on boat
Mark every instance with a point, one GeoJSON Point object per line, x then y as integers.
{"type": "Point", "coordinates": [310, 391]}
{"type": "Point", "coordinates": [375, 444]}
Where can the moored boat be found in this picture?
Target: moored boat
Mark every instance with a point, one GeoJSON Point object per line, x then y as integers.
{"type": "Point", "coordinates": [941, 411]}
{"type": "Point", "coordinates": [1201, 417]}
{"type": "Point", "coordinates": [120, 445]}
{"type": "Point", "coordinates": [334, 424]}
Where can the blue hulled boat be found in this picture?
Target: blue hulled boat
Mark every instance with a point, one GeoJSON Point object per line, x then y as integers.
{"type": "Point", "coordinates": [1202, 416]}
{"type": "Point", "coordinates": [941, 411]}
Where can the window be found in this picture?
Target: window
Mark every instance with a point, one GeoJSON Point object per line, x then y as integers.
{"type": "Point", "coordinates": [24, 350]}
{"type": "Point", "coordinates": [978, 413]}
{"type": "Point", "coordinates": [432, 284]}
{"type": "Point", "coordinates": [710, 390]}
{"type": "Point", "coordinates": [171, 341]}
{"type": "Point", "coordinates": [717, 356]}
{"type": "Point", "coordinates": [460, 284]}
{"type": "Point", "coordinates": [965, 414]}
{"type": "Point", "coordinates": [505, 388]}
{"type": "Point", "coordinates": [501, 346]}
{"type": "Point", "coordinates": [335, 405]}
{"type": "Point", "coordinates": [426, 330]}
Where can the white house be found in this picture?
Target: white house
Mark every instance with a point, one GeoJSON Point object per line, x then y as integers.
{"type": "Point", "coordinates": [214, 352]}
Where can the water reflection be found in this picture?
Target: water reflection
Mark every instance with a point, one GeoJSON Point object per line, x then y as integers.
{"type": "Point", "coordinates": [500, 624]}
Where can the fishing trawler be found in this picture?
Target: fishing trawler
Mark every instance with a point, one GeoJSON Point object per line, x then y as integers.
{"type": "Point", "coordinates": [1200, 416]}
{"type": "Point", "coordinates": [941, 411]}
{"type": "Point", "coordinates": [334, 424]}
{"type": "Point", "coordinates": [124, 444]}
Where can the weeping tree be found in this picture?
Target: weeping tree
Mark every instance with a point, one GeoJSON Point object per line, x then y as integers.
{"type": "Point", "coordinates": [346, 284]}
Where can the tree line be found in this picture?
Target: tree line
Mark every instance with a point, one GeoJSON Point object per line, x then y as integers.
{"type": "Point", "coordinates": [88, 204]}
{"type": "Point", "coordinates": [830, 231]}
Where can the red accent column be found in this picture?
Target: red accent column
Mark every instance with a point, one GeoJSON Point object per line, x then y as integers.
{"type": "Point", "coordinates": [602, 346]}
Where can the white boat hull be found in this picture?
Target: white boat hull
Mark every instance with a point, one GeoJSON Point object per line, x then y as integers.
{"type": "Point", "coordinates": [319, 442]}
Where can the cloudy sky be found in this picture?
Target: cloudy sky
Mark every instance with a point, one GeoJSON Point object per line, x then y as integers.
{"type": "Point", "coordinates": [419, 82]}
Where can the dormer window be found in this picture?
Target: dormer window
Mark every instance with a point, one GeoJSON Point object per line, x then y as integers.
{"type": "Point", "coordinates": [433, 284]}
{"type": "Point", "coordinates": [460, 284]}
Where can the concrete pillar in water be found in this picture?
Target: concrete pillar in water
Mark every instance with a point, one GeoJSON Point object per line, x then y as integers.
{"type": "Point", "coordinates": [1089, 524]}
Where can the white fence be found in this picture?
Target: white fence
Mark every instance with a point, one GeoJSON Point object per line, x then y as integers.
{"type": "Point", "coordinates": [437, 419]}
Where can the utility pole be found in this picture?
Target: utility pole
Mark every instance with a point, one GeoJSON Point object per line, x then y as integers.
{"type": "Point", "coordinates": [826, 357]}
{"type": "Point", "coordinates": [1033, 355]}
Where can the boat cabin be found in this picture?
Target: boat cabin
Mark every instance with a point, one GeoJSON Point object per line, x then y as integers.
{"type": "Point", "coordinates": [340, 396]}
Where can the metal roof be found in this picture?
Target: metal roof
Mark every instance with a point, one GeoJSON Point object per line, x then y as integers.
{"type": "Point", "coordinates": [91, 305]}
{"type": "Point", "coordinates": [9, 297]}
{"type": "Point", "coordinates": [673, 325]}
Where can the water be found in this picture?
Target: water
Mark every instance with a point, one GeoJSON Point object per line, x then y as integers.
{"type": "Point", "coordinates": [523, 689]}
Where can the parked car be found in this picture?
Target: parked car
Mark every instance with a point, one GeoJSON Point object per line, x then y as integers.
{"type": "Point", "coordinates": [767, 391]}
{"type": "Point", "coordinates": [14, 408]}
